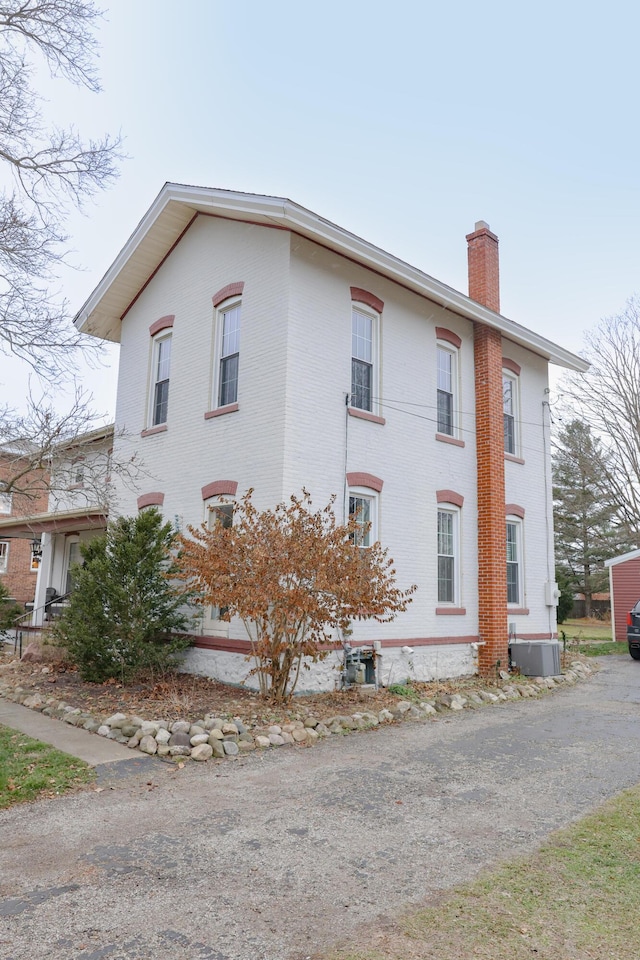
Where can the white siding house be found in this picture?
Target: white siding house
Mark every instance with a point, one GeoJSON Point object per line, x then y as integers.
{"type": "Point", "coordinates": [262, 346]}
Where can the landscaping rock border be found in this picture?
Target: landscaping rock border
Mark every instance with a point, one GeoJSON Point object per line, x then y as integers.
{"type": "Point", "coordinates": [220, 738]}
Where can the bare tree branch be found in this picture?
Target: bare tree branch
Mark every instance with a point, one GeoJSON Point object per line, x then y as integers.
{"type": "Point", "coordinates": [53, 172]}
{"type": "Point", "coordinates": [62, 31]}
{"type": "Point", "coordinates": [65, 457]}
{"type": "Point", "coordinates": [607, 399]}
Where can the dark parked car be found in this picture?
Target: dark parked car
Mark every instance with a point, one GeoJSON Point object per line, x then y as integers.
{"type": "Point", "coordinates": [633, 631]}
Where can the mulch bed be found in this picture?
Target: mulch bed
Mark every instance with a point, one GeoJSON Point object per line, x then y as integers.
{"type": "Point", "coordinates": [188, 697]}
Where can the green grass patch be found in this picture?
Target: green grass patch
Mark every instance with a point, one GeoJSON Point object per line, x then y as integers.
{"type": "Point", "coordinates": [405, 690]}
{"type": "Point", "coordinates": [30, 769]}
{"type": "Point", "coordinates": [573, 900]}
{"type": "Point", "coordinates": [586, 630]}
{"type": "Point", "coordinates": [599, 649]}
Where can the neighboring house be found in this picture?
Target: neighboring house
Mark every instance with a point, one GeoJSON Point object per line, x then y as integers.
{"type": "Point", "coordinates": [263, 346]}
{"type": "Point", "coordinates": [19, 558]}
{"type": "Point", "coordinates": [624, 588]}
{"type": "Point", "coordinates": [73, 509]}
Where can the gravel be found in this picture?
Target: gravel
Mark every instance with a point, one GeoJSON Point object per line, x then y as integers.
{"type": "Point", "coordinates": [279, 853]}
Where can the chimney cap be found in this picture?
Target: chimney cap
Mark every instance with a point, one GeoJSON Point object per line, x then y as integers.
{"type": "Point", "coordinates": [482, 225]}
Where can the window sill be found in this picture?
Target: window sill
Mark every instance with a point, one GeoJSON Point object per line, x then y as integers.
{"type": "Point", "coordinates": [518, 611]}
{"type": "Point", "coordinates": [513, 458]}
{"type": "Point", "coordinates": [445, 438]}
{"type": "Point", "coordinates": [365, 415]}
{"type": "Point", "coordinates": [451, 611]}
{"type": "Point", "coordinates": [220, 412]}
{"type": "Point", "coordinates": [153, 430]}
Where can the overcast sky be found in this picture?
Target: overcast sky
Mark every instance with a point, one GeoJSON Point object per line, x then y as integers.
{"type": "Point", "coordinates": [403, 123]}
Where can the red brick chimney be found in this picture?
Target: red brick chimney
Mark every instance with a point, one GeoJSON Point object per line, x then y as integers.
{"type": "Point", "coordinates": [493, 653]}
{"type": "Point", "coordinates": [484, 270]}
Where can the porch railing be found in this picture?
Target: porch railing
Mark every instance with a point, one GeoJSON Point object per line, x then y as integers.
{"type": "Point", "coordinates": [19, 626]}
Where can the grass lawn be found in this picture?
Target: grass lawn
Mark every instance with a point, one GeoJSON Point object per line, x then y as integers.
{"type": "Point", "coordinates": [30, 769]}
{"type": "Point", "coordinates": [574, 900]}
{"type": "Point", "coordinates": [591, 637]}
{"type": "Point", "coordinates": [586, 629]}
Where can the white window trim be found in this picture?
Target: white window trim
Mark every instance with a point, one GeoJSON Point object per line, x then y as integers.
{"type": "Point", "coordinates": [4, 555]}
{"type": "Point", "coordinates": [161, 337]}
{"type": "Point", "coordinates": [366, 493]}
{"type": "Point", "coordinates": [221, 309]}
{"type": "Point", "coordinates": [358, 307]}
{"type": "Point", "coordinates": [515, 401]}
{"type": "Point", "coordinates": [454, 353]}
{"type": "Point", "coordinates": [454, 512]}
{"type": "Point", "coordinates": [519, 526]}
{"type": "Point", "coordinates": [212, 622]}
{"type": "Point", "coordinates": [6, 503]}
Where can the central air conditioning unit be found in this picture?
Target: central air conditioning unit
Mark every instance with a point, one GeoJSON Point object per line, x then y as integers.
{"type": "Point", "coordinates": [539, 658]}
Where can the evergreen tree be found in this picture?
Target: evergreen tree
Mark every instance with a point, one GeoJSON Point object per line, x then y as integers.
{"type": "Point", "coordinates": [587, 523]}
{"type": "Point", "coordinates": [125, 609]}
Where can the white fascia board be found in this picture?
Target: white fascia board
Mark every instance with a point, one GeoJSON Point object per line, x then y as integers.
{"type": "Point", "coordinates": [85, 439]}
{"type": "Point", "coordinates": [632, 555]}
{"type": "Point", "coordinates": [279, 211]}
{"type": "Point", "coordinates": [366, 253]}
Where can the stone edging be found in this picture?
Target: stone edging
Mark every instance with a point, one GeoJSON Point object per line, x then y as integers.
{"type": "Point", "coordinates": [214, 737]}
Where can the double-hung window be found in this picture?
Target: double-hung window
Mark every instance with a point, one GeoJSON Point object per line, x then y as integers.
{"type": "Point", "coordinates": [447, 377]}
{"type": "Point", "coordinates": [219, 513]}
{"type": "Point", "coordinates": [4, 556]}
{"type": "Point", "coordinates": [229, 325]}
{"type": "Point", "coordinates": [510, 407]}
{"type": "Point", "coordinates": [448, 553]}
{"type": "Point", "coordinates": [5, 502]}
{"type": "Point", "coordinates": [514, 562]}
{"type": "Point", "coordinates": [363, 510]}
{"type": "Point", "coordinates": [161, 370]}
{"type": "Point", "coordinates": [363, 357]}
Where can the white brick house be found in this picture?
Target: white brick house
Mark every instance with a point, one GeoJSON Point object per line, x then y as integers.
{"type": "Point", "coordinates": [264, 347]}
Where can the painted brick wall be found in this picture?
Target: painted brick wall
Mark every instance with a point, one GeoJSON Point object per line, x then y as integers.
{"type": "Point", "coordinates": [246, 446]}
{"type": "Point", "coordinates": [292, 427]}
{"type": "Point", "coordinates": [528, 483]}
{"type": "Point", "coordinates": [323, 443]}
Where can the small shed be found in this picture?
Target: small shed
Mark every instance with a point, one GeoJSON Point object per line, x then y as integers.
{"type": "Point", "coordinates": [624, 585]}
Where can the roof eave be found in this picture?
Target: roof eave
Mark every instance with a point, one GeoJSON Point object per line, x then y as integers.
{"type": "Point", "coordinates": [278, 211]}
{"type": "Point", "coordinates": [63, 521]}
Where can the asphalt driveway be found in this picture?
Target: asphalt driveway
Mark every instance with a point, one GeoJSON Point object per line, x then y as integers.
{"type": "Point", "coordinates": [274, 855]}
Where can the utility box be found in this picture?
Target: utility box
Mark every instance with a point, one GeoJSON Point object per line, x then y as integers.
{"type": "Point", "coordinates": [540, 658]}
{"type": "Point", "coordinates": [360, 666]}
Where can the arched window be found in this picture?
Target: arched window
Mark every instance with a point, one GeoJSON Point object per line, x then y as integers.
{"type": "Point", "coordinates": [448, 376]}
{"type": "Point", "coordinates": [448, 547]}
{"type": "Point", "coordinates": [366, 311]}
{"type": "Point", "coordinates": [511, 406]}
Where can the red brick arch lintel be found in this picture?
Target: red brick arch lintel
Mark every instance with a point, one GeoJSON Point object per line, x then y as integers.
{"type": "Point", "coordinates": [449, 496]}
{"type": "Point", "coordinates": [369, 299]}
{"type": "Point", "coordinates": [220, 488]}
{"type": "Point", "coordinates": [365, 480]}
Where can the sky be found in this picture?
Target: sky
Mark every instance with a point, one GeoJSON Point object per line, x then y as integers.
{"type": "Point", "coordinates": [404, 123]}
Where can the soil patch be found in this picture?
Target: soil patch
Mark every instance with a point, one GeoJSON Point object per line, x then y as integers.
{"type": "Point", "coordinates": [187, 697]}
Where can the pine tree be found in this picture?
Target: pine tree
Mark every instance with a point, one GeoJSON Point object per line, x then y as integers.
{"type": "Point", "coordinates": [587, 523]}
